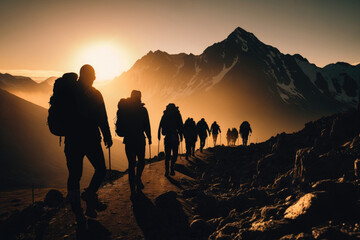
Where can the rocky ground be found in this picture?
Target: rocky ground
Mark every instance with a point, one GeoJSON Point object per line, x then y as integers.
{"type": "Point", "coordinates": [293, 186]}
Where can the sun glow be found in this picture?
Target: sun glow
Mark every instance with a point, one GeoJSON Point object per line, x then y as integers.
{"type": "Point", "coordinates": [106, 58]}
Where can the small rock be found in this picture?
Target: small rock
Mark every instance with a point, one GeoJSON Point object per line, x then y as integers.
{"type": "Point", "coordinates": [54, 198]}
{"type": "Point", "coordinates": [200, 228]}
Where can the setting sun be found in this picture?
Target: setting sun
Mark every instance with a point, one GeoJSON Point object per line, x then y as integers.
{"type": "Point", "coordinates": [106, 58]}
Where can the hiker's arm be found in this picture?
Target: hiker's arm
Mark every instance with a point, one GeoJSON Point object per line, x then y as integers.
{"type": "Point", "coordinates": [181, 126]}
{"type": "Point", "coordinates": [160, 128]}
{"type": "Point", "coordinates": [103, 122]}
{"type": "Point", "coordinates": [147, 126]}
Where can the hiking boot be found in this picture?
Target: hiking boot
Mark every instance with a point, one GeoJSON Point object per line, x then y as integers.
{"type": "Point", "coordinates": [81, 221]}
{"type": "Point", "coordinates": [166, 169]}
{"type": "Point", "coordinates": [133, 196]}
{"type": "Point", "coordinates": [92, 203]}
{"type": "Point", "coordinates": [139, 184]}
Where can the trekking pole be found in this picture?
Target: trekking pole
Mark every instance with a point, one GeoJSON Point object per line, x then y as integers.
{"type": "Point", "coordinates": [181, 147]}
{"type": "Point", "coordinates": [158, 147]}
{"type": "Point", "coordinates": [33, 194]}
{"type": "Point", "coordinates": [149, 155]}
{"type": "Point", "coordinates": [220, 138]}
{"type": "Point", "coordinates": [109, 160]}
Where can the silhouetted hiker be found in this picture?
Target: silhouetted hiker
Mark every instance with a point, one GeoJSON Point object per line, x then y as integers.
{"type": "Point", "coordinates": [234, 135]}
{"type": "Point", "coordinates": [85, 140]}
{"type": "Point", "coordinates": [171, 126]}
{"type": "Point", "coordinates": [190, 136]}
{"type": "Point", "coordinates": [215, 129]}
{"type": "Point", "coordinates": [132, 122]}
{"type": "Point", "coordinates": [202, 127]}
{"type": "Point", "coordinates": [244, 130]}
{"type": "Point", "coordinates": [228, 136]}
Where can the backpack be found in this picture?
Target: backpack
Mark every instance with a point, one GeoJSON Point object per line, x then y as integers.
{"type": "Point", "coordinates": [172, 120]}
{"type": "Point", "coordinates": [245, 127]}
{"type": "Point", "coordinates": [63, 105]}
{"type": "Point", "coordinates": [121, 117]}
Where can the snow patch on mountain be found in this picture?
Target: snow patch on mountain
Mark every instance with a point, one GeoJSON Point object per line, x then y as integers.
{"type": "Point", "coordinates": [289, 89]}
{"type": "Point", "coordinates": [308, 69]}
{"type": "Point", "coordinates": [244, 45]}
{"type": "Point", "coordinates": [216, 79]}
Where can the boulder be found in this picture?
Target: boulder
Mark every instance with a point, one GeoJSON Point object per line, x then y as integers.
{"type": "Point", "coordinates": [54, 199]}
{"type": "Point", "coordinates": [200, 228]}
{"type": "Point", "coordinates": [344, 126]}
{"type": "Point", "coordinates": [300, 236]}
{"type": "Point", "coordinates": [304, 157]}
{"type": "Point", "coordinates": [271, 166]}
{"type": "Point", "coordinates": [330, 233]}
{"type": "Point", "coordinates": [310, 209]}
{"type": "Point", "coordinates": [310, 166]}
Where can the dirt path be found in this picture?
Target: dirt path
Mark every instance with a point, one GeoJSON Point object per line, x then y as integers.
{"type": "Point", "coordinates": [123, 219]}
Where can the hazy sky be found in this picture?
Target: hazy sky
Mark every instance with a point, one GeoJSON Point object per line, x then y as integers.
{"type": "Point", "coordinates": [61, 35]}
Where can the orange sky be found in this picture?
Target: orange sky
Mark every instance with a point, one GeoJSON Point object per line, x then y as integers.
{"type": "Point", "coordinates": [59, 35]}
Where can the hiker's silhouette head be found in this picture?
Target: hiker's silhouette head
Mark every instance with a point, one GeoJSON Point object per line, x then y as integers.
{"type": "Point", "coordinates": [87, 75]}
{"type": "Point", "coordinates": [135, 96]}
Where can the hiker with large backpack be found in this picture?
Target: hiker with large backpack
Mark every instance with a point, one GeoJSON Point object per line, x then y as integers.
{"type": "Point", "coordinates": [171, 126]}
{"type": "Point", "coordinates": [244, 131]}
{"type": "Point", "coordinates": [228, 136]}
{"type": "Point", "coordinates": [234, 135]}
{"type": "Point", "coordinates": [132, 121]}
{"type": "Point", "coordinates": [202, 130]}
{"type": "Point", "coordinates": [77, 112]}
{"type": "Point", "coordinates": [215, 129]}
{"type": "Point", "coordinates": [190, 136]}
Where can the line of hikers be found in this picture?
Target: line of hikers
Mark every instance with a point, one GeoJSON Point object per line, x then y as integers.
{"type": "Point", "coordinates": [233, 134]}
{"type": "Point", "coordinates": [77, 111]}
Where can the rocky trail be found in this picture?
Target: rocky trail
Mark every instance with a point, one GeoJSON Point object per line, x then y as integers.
{"type": "Point", "coordinates": [155, 214]}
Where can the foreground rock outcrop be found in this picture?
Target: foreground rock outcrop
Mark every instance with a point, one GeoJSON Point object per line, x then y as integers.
{"type": "Point", "coordinates": [293, 186]}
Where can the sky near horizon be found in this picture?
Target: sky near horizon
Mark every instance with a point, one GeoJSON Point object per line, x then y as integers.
{"type": "Point", "coordinates": [45, 37]}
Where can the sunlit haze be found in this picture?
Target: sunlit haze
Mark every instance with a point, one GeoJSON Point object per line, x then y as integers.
{"type": "Point", "coordinates": [105, 57]}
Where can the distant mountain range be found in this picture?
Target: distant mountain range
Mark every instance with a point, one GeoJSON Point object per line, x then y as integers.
{"type": "Point", "coordinates": [237, 79]}
{"type": "Point", "coordinates": [241, 60]}
{"type": "Point", "coordinates": [242, 78]}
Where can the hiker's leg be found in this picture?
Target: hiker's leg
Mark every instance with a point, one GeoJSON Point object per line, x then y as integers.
{"type": "Point", "coordinates": [167, 154]}
{"type": "Point", "coordinates": [95, 155]}
{"type": "Point", "coordinates": [74, 161]}
{"type": "Point", "coordinates": [141, 162]}
{"type": "Point", "coordinates": [202, 143]}
{"type": "Point", "coordinates": [175, 149]}
{"type": "Point", "coordinates": [193, 147]}
{"type": "Point", "coordinates": [131, 156]}
{"type": "Point", "coordinates": [188, 148]}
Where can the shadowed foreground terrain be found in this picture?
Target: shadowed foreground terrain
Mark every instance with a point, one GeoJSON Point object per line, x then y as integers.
{"type": "Point", "coordinates": [293, 186]}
